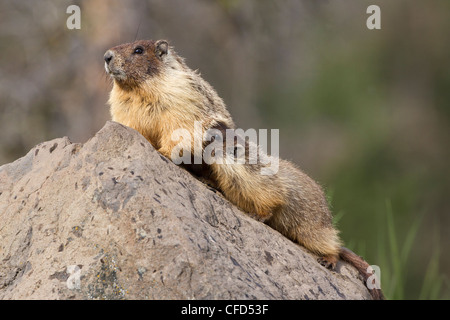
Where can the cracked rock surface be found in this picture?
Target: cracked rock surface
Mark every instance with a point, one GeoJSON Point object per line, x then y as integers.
{"type": "Point", "coordinates": [113, 219]}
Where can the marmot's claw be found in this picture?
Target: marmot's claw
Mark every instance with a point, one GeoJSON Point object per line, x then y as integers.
{"type": "Point", "coordinates": [328, 262]}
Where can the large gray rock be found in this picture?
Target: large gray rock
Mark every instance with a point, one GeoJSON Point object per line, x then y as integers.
{"type": "Point", "coordinates": [113, 219]}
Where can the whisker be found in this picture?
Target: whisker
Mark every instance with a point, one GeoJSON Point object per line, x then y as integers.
{"type": "Point", "coordinates": [139, 26]}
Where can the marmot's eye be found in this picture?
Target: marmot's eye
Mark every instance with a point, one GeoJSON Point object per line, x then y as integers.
{"type": "Point", "coordinates": [138, 50]}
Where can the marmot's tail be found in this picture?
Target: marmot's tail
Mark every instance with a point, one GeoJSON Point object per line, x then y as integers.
{"type": "Point", "coordinates": [362, 267]}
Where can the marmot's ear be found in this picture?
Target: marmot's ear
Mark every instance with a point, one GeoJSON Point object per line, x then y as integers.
{"type": "Point", "coordinates": [161, 48]}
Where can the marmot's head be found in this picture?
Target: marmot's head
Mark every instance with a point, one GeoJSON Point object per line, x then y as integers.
{"type": "Point", "coordinates": [131, 64]}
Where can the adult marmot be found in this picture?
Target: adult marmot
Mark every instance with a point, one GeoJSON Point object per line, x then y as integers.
{"type": "Point", "coordinates": [156, 93]}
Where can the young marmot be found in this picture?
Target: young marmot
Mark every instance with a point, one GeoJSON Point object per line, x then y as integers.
{"type": "Point", "coordinates": [155, 93]}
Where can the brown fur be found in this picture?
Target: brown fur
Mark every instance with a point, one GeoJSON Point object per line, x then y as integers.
{"type": "Point", "coordinates": [362, 266]}
{"type": "Point", "coordinates": [155, 93]}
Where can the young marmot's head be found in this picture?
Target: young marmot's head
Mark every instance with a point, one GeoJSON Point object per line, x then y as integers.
{"type": "Point", "coordinates": [131, 64]}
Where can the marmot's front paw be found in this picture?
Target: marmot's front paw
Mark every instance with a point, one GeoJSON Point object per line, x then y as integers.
{"type": "Point", "coordinates": [260, 218]}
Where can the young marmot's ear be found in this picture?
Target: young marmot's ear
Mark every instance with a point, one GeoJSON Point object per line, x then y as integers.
{"type": "Point", "coordinates": [161, 48]}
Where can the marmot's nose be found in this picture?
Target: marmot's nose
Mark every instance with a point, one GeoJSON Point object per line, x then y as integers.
{"type": "Point", "coordinates": [108, 56]}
